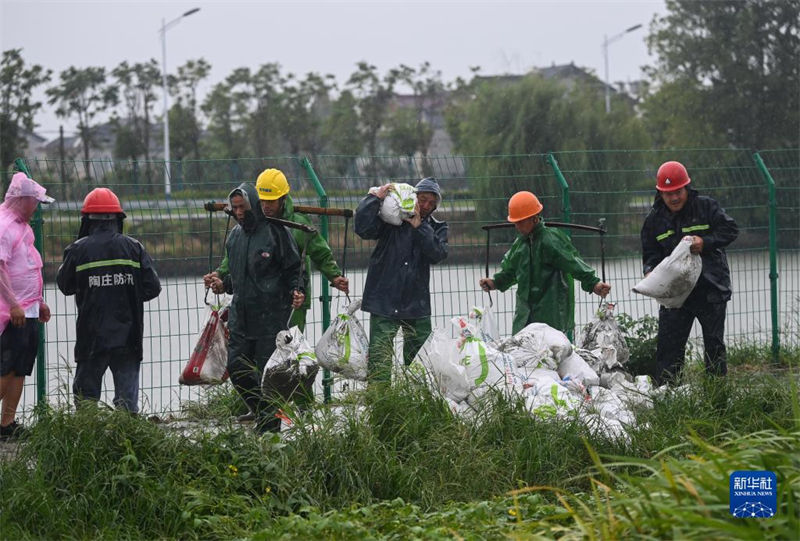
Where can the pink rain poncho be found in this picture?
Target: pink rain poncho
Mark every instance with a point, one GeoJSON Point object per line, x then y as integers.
{"type": "Point", "coordinates": [20, 262]}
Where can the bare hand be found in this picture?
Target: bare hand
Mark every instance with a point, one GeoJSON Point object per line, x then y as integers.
{"type": "Point", "coordinates": [342, 284]}
{"type": "Point", "coordinates": [208, 279]}
{"type": "Point", "coordinates": [383, 191]}
{"type": "Point", "coordinates": [44, 312]}
{"type": "Point", "coordinates": [487, 284]}
{"type": "Point", "coordinates": [416, 219]}
{"type": "Point", "coordinates": [697, 245]}
{"type": "Point", "coordinates": [213, 281]}
{"type": "Point", "coordinates": [602, 289]}
{"type": "Point", "coordinates": [17, 316]}
{"type": "Point", "coordinates": [297, 299]}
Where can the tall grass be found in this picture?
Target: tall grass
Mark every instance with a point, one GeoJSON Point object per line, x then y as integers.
{"type": "Point", "coordinates": [102, 474]}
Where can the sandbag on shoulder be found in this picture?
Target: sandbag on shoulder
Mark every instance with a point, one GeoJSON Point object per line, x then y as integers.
{"type": "Point", "coordinates": [399, 203]}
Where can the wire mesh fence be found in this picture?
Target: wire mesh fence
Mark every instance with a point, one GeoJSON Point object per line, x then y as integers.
{"type": "Point", "coordinates": [584, 187]}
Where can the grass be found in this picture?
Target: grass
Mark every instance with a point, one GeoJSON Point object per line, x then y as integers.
{"type": "Point", "coordinates": [397, 464]}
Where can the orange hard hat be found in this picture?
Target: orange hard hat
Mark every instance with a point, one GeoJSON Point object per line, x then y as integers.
{"type": "Point", "coordinates": [671, 176]}
{"type": "Point", "coordinates": [101, 201]}
{"type": "Point", "coordinates": [523, 205]}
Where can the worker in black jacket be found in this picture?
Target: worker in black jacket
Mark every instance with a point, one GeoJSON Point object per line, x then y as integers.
{"type": "Point", "coordinates": [679, 211]}
{"type": "Point", "coordinates": [111, 276]}
{"type": "Point", "coordinates": [397, 292]}
{"type": "Point", "coordinates": [265, 280]}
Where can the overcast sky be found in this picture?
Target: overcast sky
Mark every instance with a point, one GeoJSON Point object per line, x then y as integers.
{"type": "Point", "coordinates": [330, 36]}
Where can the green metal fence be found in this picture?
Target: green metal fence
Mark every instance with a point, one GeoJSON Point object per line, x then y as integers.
{"type": "Point", "coordinates": [580, 187]}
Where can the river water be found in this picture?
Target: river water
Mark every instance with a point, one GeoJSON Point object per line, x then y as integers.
{"type": "Point", "coordinates": [173, 319]}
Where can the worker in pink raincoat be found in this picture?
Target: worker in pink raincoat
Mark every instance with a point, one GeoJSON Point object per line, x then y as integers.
{"type": "Point", "coordinates": [22, 306]}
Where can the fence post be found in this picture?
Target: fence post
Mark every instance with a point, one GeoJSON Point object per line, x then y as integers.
{"type": "Point", "coordinates": [36, 224]}
{"type": "Point", "coordinates": [773, 255]}
{"type": "Point", "coordinates": [566, 210]}
{"type": "Point", "coordinates": [327, 380]}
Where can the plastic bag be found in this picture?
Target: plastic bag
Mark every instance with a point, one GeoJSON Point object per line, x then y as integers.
{"type": "Point", "coordinates": [344, 347]}
{"type": "Point", "coordinates": [671, 282]}
{"type": "Point", "coordinates": [398, 204]}
{"type": "Point", "coordinates": [486, 327]}
{"type": "Point", "coordinates": [604, 334]}
{"type": "Point", "coordinates": [208, 363]}
{"type": "Point", "coordinates": [293, 357]}
{"type": "Point", "coordinates": [538, 345]}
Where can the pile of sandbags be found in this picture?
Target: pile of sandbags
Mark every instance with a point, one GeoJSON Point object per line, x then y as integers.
{"type": "Point", "coordinates": [542, 366]}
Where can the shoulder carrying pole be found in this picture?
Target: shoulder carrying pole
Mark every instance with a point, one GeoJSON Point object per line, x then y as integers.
{"type": "Point", "coordinates": [601, 229]}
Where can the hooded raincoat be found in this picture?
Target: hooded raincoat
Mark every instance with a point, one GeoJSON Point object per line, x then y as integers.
{"type": "Point", "coordinates": [316, 249]}
{"type": "Point", "coordinates": [542, 264]}
{"type": "Point", "coordinates": [264, 267]}
{"type": "Point", "coordinates": [20, 262]}
{"type": "Point", "coordinates": [398, 278]}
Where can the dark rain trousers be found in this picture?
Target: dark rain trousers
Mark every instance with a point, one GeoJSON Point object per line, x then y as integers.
{"type": "Point", "coordinates": [674, 326]}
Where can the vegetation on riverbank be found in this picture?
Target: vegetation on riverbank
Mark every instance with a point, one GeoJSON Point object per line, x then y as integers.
{"type": "Point", "coordinates": [400, 465]}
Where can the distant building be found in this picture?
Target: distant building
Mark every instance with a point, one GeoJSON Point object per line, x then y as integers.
{"type": "Point", "coordinates": [103, 137]}
{"type": "Point", "coordinates": [35, 142]}
{"type": "Point", "coordinates": [432, 108]}
{"type": "Point", "coordinates": [570, 74]}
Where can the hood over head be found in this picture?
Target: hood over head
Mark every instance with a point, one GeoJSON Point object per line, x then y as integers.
{"type": "Point", "coordinates": [429, 184]}
{"type": "Point", "coordinates": [253, 215]}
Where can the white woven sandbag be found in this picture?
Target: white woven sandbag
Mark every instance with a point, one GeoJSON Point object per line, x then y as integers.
{"type": "Point", "coordinates": [440, 359]}
{"type": "Point", "coordinates": [674, 278]}
{"type": "Point", "coordinates": [575, 368]}
{"type": "Point", "coordinates": [399, 203]}
{"type": "Point", "coordinates": [293, 355]}
{"type": "Point", "coordinates": [344, 347]}
{"type": "Point", "coordinates": [538, 345]}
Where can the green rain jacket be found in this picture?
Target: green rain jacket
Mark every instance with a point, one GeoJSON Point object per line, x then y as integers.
{"type": "Point", "coordinates": [317, 251]}
{"type": "Point", "coordinates": [542, 264]}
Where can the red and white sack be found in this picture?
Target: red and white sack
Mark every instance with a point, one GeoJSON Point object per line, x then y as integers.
{"type": "Point", "coordinates": [674, 278]}
{"type": "Point", "coordinates": [208, 363]}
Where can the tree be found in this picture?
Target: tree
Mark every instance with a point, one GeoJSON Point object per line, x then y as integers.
{"type": "Point", "coordinates": [83, 93]}
{"type": "Point", "coordinates": [226, 121]}
{"type": "Point", "coordinates": [372, 96]}
{"type": "Point", "coordinates": [184, 118]}
{"type": "Point", "coordinates": [340, 128]}
{"type": "Point", "coordinates": [260, 100]}
{"type": "Point", "coordinates": [404, 131]}
{"type": "Point", "coordinates": [411, 128]}
{"type": "Point", "coordinates": [728, 69]}
{"type": "Point", "coordinates": [341, 134]}
{"type": "Point", "coordinates": [304, 104]}
{"type": "Point", "coordinates": [508, 127]}
{"type": "Point", "coordinates": [18, 108]}
{"type": "Point", "coordinates": [136, 85]}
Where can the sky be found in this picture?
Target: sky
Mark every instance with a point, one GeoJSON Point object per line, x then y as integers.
{"type": "Point", "coordinates": [329, 36]}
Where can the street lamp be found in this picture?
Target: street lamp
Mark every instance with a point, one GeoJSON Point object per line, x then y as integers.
{"type": "Point", "coordinates": [164, 27]}
{"type": "Point", "coordinates": [606, 42]}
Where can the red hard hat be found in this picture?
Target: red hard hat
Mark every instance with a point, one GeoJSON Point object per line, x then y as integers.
{"type": "Point", "coordinates": [523, 205]}
{"type": "Point", "coordinates": [101, 201]}
{"type": "Point", "coordinates": [671, 176]}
